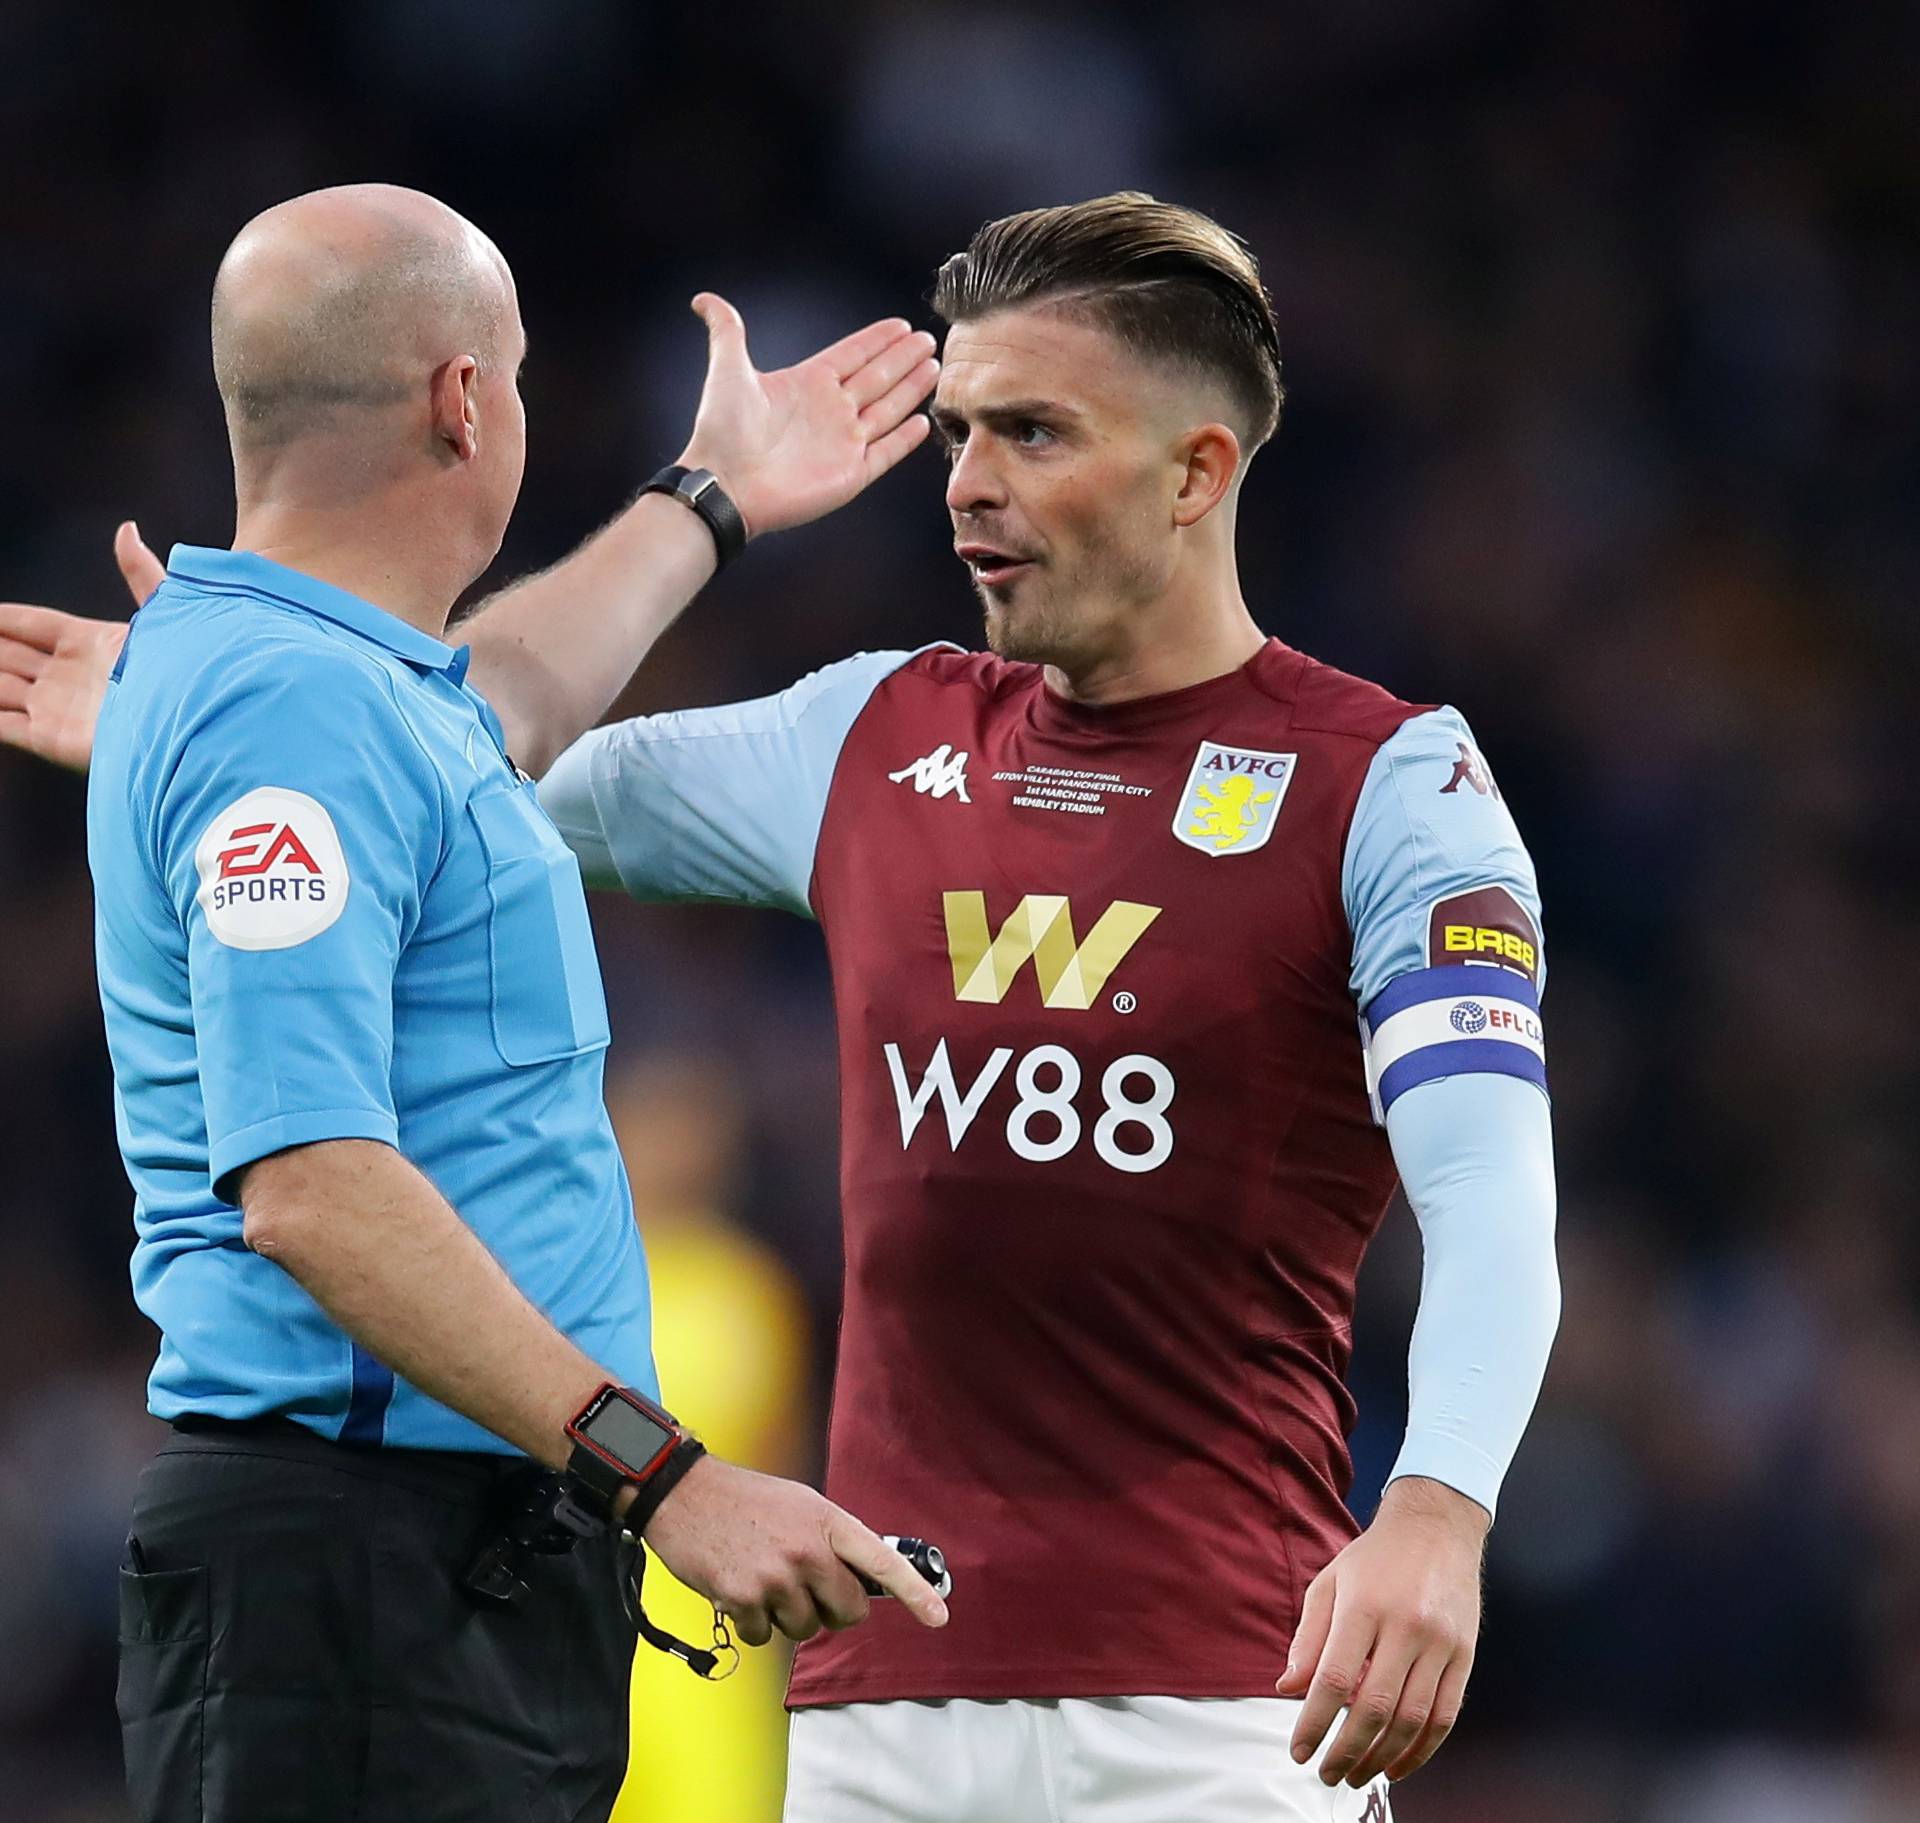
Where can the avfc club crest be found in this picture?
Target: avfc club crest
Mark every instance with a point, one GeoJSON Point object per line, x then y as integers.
{"type": "Point", "coordinates": [1233, 798]}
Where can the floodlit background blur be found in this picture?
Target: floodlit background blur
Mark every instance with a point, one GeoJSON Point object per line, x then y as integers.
{"type": "Point", "coordinates": [1602, 328]}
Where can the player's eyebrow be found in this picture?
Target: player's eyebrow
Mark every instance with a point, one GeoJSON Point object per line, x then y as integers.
{"type": "Point", "coordinates": [1012, 411]}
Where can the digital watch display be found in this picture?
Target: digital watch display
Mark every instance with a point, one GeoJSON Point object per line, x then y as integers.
{"type": "Point", "coordinates": [621, 1439]}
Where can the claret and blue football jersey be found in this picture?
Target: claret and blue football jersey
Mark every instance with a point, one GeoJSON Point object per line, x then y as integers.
{"type": "Point", "coordinates": [1124, 994]}
{"type": "Point", "coordinates": [329, 908]}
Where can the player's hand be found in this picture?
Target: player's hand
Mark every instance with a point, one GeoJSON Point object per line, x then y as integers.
{"type": "Point", "coordinates": [791, 445]}
{"type": "Point", "coordinates": [54, 666]}
{"type": "Point", "coordinates": [1387, 1633]}
{"type": "Point", "coordinates": [774, 1553]}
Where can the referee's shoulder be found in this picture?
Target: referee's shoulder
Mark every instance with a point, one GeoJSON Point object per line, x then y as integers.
{"type": "Point", "coordinates": [221, 645]}
{"type": "Point", "coordinates": [200, 664]}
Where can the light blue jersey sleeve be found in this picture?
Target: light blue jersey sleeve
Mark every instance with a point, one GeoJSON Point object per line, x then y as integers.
{"type": "Point", "coordinates": [1448, 964]}
{"type": "Point", "coordinates": [293, 829]}
{"type": "Point", "coordinates": [1475, 1154]}
{"type": "Point", "coordinates": [1440, 894]}
{"type": "Point", "coordinates": [713, 804]}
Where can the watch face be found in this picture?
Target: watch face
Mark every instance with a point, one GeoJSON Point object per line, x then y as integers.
{"type": "Point", "coordinates": [625, 1431]}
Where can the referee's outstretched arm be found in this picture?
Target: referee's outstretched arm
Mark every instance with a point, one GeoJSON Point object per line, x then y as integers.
{"type": "Point", "coordinates": [381, 1251]}
{"type": "Point", "coordinates": [553, 651]}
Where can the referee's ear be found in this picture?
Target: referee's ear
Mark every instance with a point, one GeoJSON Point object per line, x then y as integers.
{"type": "Point", "coordinates": [455, 408]}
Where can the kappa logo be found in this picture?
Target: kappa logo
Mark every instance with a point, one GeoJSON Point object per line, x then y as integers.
{"type": "Point", "coordinates": [1470, 769]}
{"type": "Point", "coordinates": [1039, 929]}
{"type": "Point", "coordinates": [1233, 798]}
{"type": "Point", "coordinates": [272, 871]}
{"type": "Point", "coordinates": [938, 773]}
{"type": "Point", "coordinates": [1376, 1810]}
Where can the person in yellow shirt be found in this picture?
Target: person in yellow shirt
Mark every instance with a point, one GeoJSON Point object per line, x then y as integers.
{"type": "Point", "coordinates": [731, 1341]}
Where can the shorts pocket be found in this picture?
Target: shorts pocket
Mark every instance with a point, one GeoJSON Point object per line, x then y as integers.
{"type": "Point", "coordinates": [548, 1002]}
{"type": "Point", "coordinates": [165, 1639]}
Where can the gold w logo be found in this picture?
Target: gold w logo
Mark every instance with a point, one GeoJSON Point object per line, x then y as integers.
{"type": "Point", "coordinates": [1040, 927]}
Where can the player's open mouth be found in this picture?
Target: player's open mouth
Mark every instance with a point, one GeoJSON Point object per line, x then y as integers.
{"type": "Point", "coordinates": [990, 566]}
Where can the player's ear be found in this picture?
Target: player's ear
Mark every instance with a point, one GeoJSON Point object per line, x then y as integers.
{"type": "Point", "coordinates": [454, 407]}
{"type": "Point", "coordinates": [1212, 459]}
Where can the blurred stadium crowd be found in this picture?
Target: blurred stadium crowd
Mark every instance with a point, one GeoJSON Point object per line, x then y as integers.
{"type": "Point", "coordinates": [1600, 325]}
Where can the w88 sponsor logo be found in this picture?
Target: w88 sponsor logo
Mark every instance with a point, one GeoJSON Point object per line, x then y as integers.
{"type": "Point", "coordinates": [1131, 1132]}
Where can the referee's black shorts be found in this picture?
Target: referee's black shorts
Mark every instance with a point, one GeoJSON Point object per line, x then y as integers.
{"type": "Point", "coordinates": [295, 1643]}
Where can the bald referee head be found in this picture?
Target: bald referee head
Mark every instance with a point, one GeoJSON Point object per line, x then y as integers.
{"type": "Point", "coordinates": [367, 344]}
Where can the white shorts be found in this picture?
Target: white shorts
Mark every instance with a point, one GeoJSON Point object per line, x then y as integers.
{"type": "Point", "coordinates": [1117, 1759]}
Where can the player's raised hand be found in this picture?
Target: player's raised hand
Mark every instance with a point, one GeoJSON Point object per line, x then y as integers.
{"type": "Point", "coordinates": [54, 666]}
{"type": "Point", "coordinates": [1388, 1633]}
{"type": "Point", "coordinates": [776, 1554]}
{"type": "Point", "coordinates": [793, 444]}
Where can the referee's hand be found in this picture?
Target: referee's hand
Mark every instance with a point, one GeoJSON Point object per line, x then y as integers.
{"type": "Point", "coordinates": [801, 441]}
{"type": "Point", "coordinates": [773, 1553]}
{"type": "Point", "coordinates": [54, 666]}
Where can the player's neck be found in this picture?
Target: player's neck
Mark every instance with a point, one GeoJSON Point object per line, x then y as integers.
{"type": "Point", "coordinates": [1173, 643]}
{"type": "Point", "coordinates": [375, 552]}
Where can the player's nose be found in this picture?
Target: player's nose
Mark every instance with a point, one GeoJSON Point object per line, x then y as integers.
{"type": "Point", "coordinates": [973, 483]}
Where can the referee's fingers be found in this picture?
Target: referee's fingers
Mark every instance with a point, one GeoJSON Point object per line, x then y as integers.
{"type": "Point", "coordinates": [866, 1551]}
{"type": "Point", "coordinates": [852, 352]}
{"type": "Point", "coordinates": [751, 1623]}
{"type": "Point", "coordinates": [893, 364]}
{"type": "Point", "coordinates": [28, 635]}
{"type": "Point", "coordinates": [838, 1595]}
{"type": "Point", "coordinates": [892, 406]}
{"type": "Point", "coordinates": [142, 570]}
{"type": "Point", "coordinates": [794, 1612]}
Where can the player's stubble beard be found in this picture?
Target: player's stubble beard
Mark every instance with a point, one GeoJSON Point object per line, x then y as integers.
{"type": "Point", "coordinates": [1067, 620]}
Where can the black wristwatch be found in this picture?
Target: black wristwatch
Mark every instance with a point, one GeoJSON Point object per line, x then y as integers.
{"type": "Point", "coordinates": [621, 1439]}
{"type": "Point", "coordinates": [701, 490]}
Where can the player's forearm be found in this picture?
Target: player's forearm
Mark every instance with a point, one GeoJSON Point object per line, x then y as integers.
{"type": "Point", "coordinates": [1476, 1155]}
{"type": "Point", "coordinates": [553, 651]}
{"type": "Point", "coordinates": [382, 1253]}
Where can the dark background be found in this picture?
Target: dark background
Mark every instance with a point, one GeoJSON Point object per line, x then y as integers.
{"type": "Point", "coordinates": [1600, 328]}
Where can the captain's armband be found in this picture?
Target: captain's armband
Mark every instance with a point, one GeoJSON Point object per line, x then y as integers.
{"type": "Point", "coordinates": [1458, 1019]}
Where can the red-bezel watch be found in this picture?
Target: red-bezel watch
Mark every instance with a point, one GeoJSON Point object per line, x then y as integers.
{"type": "Point", "coordinates": [622, 1439]}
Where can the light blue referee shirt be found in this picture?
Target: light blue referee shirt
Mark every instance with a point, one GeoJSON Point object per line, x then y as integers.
{"type": "Point", "coordinates": [329, 908]}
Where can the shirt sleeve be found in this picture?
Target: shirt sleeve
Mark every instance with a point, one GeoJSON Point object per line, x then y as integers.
{"type": "Point", "coordinates": [1475, 1153]}
{"type": "Point", "coordinates": [293, 832]}
{"type": "Point", "coordinates": [1448, 962]}
{"type": "Point", "coordinates": [713, 804]}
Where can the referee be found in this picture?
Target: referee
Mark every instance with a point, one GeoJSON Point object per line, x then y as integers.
{"type": "Point", "coordinates": [357, 1030]}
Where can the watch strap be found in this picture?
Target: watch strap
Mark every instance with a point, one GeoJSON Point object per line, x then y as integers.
{"type": "Point", "coordinates": [661, 1483]}
{"type": "Point", "coordinates": [700, 489]}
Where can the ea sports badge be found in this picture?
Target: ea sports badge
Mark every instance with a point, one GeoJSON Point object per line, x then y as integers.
{"type": "Point", "coordinates": [272, 871]}
{"type": "Point", "coordinates": [1233, 798]}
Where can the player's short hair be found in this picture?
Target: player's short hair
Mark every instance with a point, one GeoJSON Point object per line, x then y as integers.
{"type": "Point", "coordinates": [1169, 282]}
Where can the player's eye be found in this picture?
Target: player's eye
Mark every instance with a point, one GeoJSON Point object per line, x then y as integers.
{"type": "Point", "coordinates": [952, 442]}
{"type": "Point", "coordinates": [1031, 434]}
